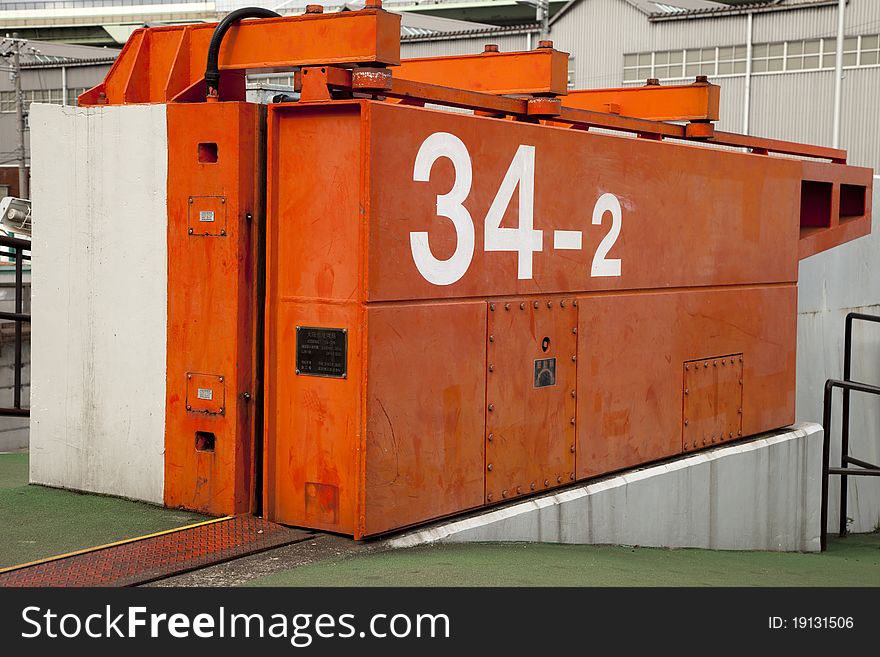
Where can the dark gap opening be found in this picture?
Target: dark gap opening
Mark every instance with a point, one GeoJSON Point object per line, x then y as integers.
{"type": "Point", "coordinates": [815, 203]}
{"type": "Point", "coordinates": [208, 152]}
{"type": "Point", "coordinates": [852, 201]}
{"type": "Point", "coordinates": [204, 441]}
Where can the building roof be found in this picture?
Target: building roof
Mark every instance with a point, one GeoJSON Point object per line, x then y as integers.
{"type": "Point", "coordinates": [685, 9]}
{"type": "Point", "coordinates": [40, 54]}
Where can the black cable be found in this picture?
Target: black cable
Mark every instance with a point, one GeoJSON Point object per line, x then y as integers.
{"type": "Point", "coordinates": [212, 70]}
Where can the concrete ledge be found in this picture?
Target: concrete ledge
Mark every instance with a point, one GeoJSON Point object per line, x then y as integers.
{"type": "Point", "coordinates": [761, 494]}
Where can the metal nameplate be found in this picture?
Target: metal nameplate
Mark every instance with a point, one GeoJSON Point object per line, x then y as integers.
{"type": "Point", "coordinates": [545, 372]}
{"type": "Point", "coordinates": [322, 351]}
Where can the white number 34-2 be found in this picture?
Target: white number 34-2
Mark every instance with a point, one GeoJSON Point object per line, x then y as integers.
{"type": "Point", "coordinates": [524, 240]}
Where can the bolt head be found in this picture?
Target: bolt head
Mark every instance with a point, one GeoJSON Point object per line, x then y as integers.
{"type": "Point", "coordinates": [546, 482]}
{"type": "Point", "coordinates": [491, 407]}
{"type": "Point", "coordinates": [489, 467]}
{"type": "Point", "coordinates": [504, 493]}
{"type": "Point", "coordinates": [489, 497]}
{"type": "Point", "coordinates": [536, 305]}
{"type": "Point", "coordinates": [188, 407]}
{"type": "Point", "coordinates": [190, 231]}
{"type": "Point", "coordinates": [506, 306]}
{"type": "Point", "coordinates": [490, 437]}
{"type": "Point", "coordinates": [492, 307]}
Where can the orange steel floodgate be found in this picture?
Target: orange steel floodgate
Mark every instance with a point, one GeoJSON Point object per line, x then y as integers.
{"type": "Point", "coordinates": [381, 314]}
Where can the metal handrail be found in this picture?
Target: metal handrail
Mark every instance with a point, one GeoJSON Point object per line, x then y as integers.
{"type": "Point", "coordinates": [863, 467]}
{"type": "Point", "coordinates": [20, 254]}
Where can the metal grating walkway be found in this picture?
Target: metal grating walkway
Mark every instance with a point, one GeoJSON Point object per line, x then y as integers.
{"type": "Point", "coordinates": [147, 559]}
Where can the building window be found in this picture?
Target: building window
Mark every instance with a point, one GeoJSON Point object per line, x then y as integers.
{"type": "Point", "coordinates": [638, 66]}
{"type": "Point", "coordinates": [781, 57]}
{"type": "Point", "coordinates": [768, 57]}
{"type": "Point", "coordinates": [668, 64]}
{"type": "Point", "coordinates": [850, 51]}
{"type": "Point", "coordinates": [700, 61]}
{"type": "Point", "coordinates": [53, 96]}
{"type": "Point", "coordinates": [732, 60]}
{"type": "Point", "coordinates": [869, 51]}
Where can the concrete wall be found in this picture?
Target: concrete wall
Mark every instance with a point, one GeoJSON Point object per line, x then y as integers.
{"type": "Point", "coordinates": [99, 299]}
{"type": "Point", "coordinates": [831, 284]}
{"type": "Point", "coordinates": [759, 495]}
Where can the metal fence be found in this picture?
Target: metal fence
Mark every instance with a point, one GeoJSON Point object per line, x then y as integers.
{"type": "Point", "coordinates": [19, 251]}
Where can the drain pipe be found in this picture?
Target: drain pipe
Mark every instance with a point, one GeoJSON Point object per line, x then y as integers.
{"type": "Point", "coordinates": [747, 100]}
{"type": "Point", "coordinates": [838, 74]}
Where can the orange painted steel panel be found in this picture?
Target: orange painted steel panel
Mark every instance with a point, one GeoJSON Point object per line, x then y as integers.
{"type": "Point", "coordinates": [713, 391]}
{"type": "Point", "coordinates": [689, 215]}
{"type": "Point", "coordinates": [539, 71]}
{"type": "Point", "coordinates": [531, 375]}
{"type": "Point", "coordinates": [686, 102]}
{"type": "Point", "coordinates": [211, 308]}
{"type": "Point", "coordinates": [711, 272]}
{"type": "Point", "coordinates": [156, 64]}
{"type": "Point", "coordinates": [313, 426]}
{"type": "Point", "coordinates": [425, 412]}
{"type": "Point", "coordinates": [835, 205]}
{"type": "Point", "coordinates": [632, 351]}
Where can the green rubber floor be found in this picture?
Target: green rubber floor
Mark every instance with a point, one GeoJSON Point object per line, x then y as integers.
{"type": "Point", "coordinates": [39, 522]}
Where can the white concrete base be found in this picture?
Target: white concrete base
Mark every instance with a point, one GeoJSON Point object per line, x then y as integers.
{"type": "Point", "coordinates": [763, 494]}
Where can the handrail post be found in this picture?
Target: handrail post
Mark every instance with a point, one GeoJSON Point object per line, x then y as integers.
{"type": "Point", "coordinates": [826, 454]}
{"type": "Point", "coordinates": [844, 426]}
{"type": "Point", "coordinates": [19, 293]}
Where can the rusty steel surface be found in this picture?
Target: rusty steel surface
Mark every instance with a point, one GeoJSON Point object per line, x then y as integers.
{"type": "Point", "coordinates": [633, 352]}
{"type": "Point", "coordinates": [661, 278]}
{"type": "Point", "coordinates": [713, 398]}
{"type": "Point", "coordinates": [156, 557]}
{"type": "Point", "coordinates": [539, 71]}
{"type": "Point", "coordinates": [531, 389]}
{"type": "Point", "coordinates": [210, 386]}
{"type": "Point", "coordinates": [680, 102]}
{"type": "Point", "coordinates": [158, 64]}
{"type": "Point", "coordinates": [400, 386]}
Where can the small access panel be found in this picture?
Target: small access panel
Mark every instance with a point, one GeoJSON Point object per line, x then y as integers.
{"type": "Point", "coordinates": [531, 375]}
{"type": "Point", "coordinates": [713, 394]}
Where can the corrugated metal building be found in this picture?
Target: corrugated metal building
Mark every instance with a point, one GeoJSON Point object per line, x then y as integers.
{"type": "Point", "coordinates": [620, 42]}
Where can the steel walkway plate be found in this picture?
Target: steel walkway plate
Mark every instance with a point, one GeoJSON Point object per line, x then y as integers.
{"type": "Point", "coordinates": [150, 558]}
